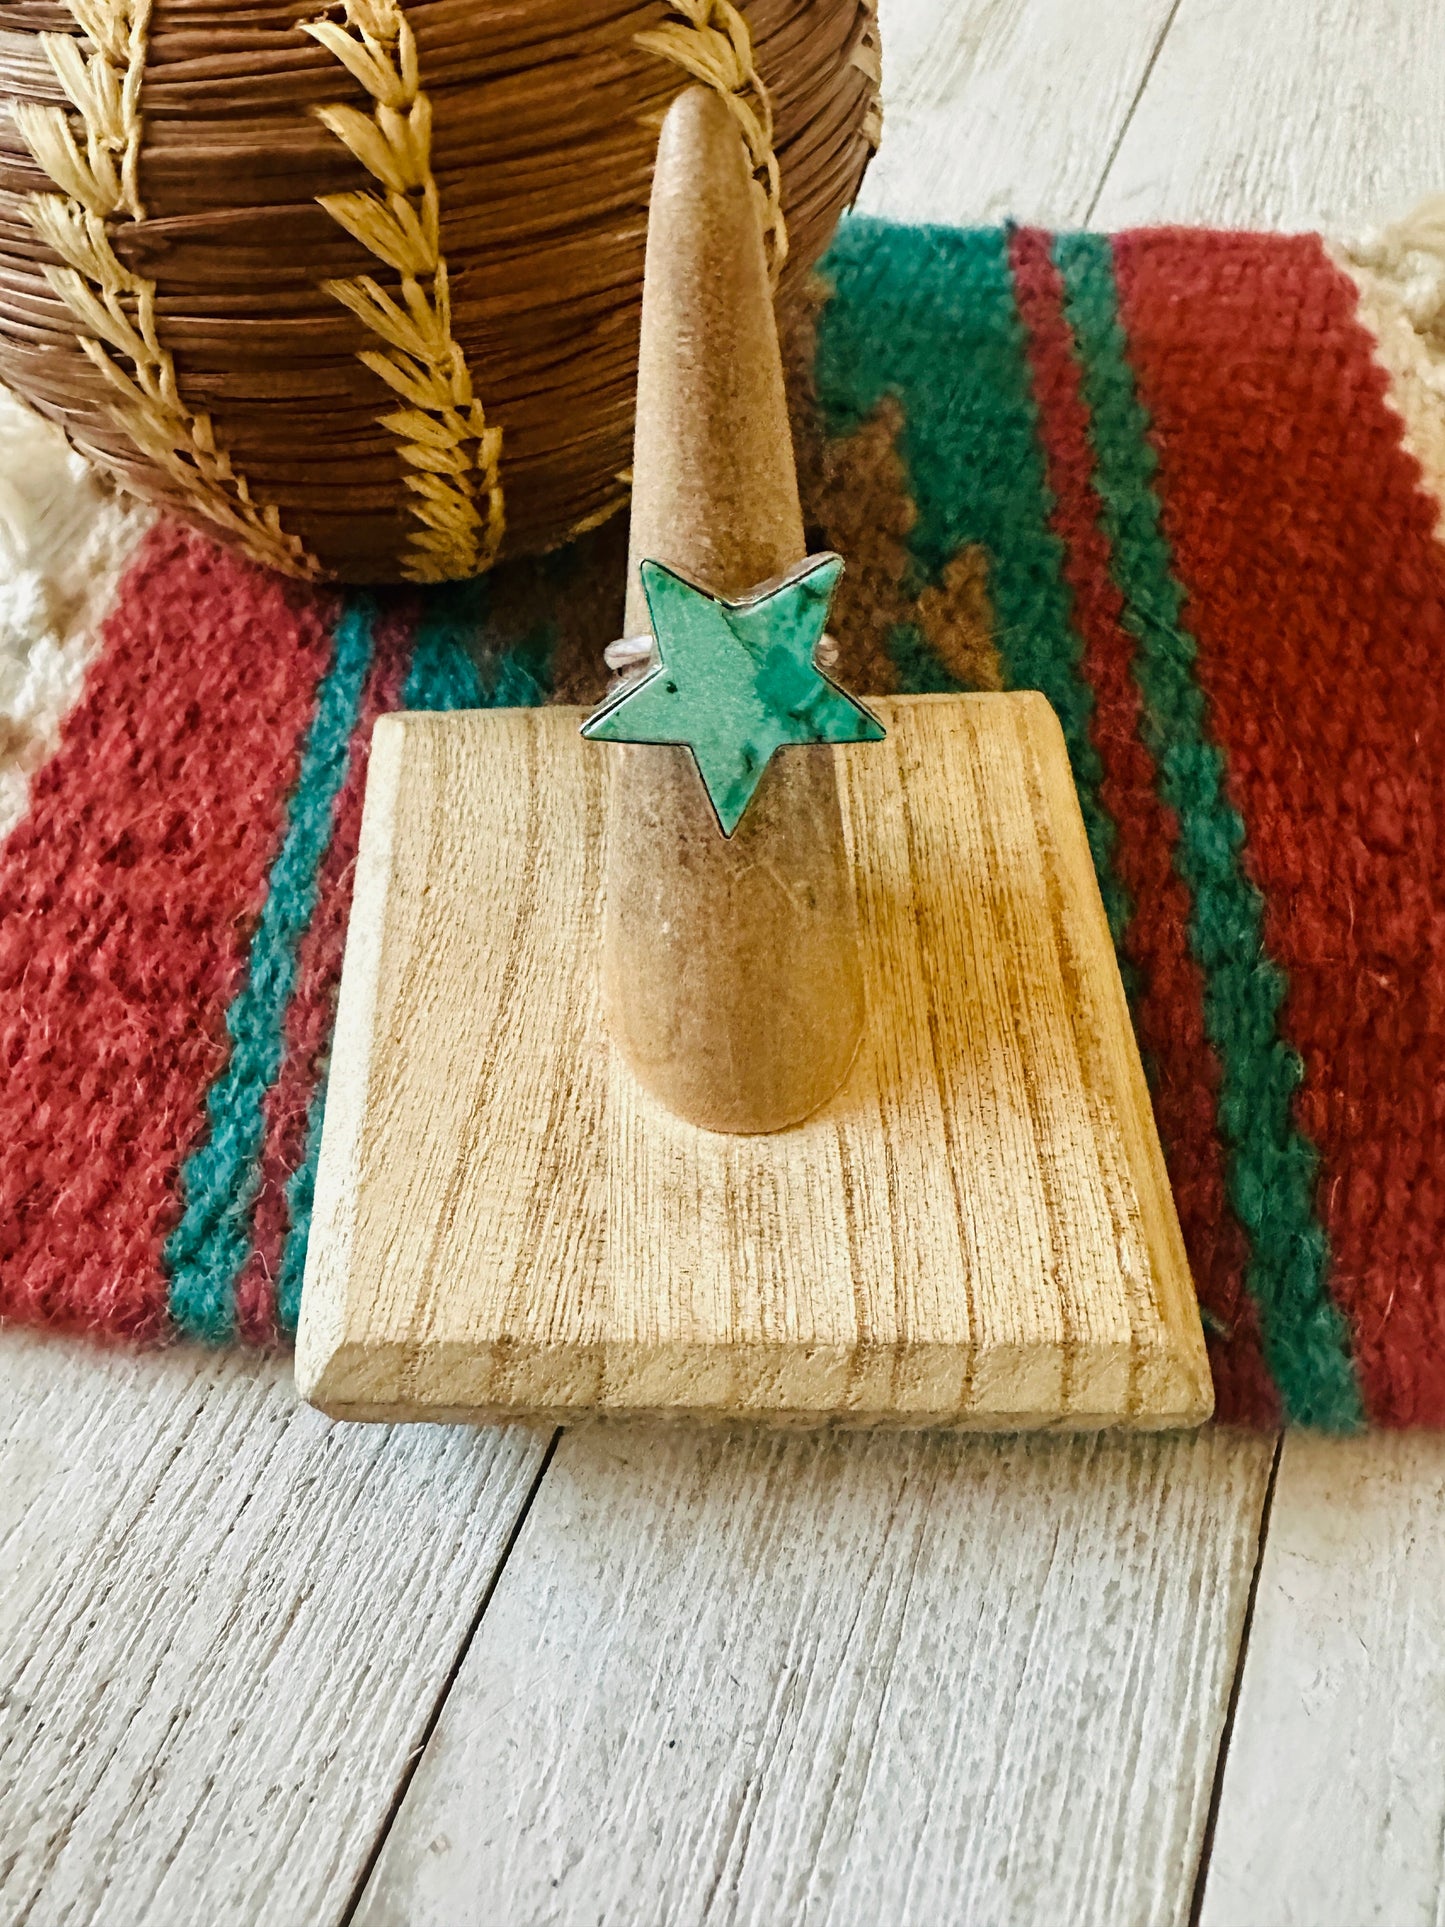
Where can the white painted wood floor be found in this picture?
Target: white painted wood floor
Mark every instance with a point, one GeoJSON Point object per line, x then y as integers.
{"type": "Point", "coordinates": [257, 1668]}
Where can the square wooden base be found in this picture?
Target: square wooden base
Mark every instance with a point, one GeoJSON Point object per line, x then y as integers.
{"type": "Point", "coordinates": [977, 1231]}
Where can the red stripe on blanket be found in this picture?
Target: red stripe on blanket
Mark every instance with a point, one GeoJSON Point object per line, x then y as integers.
{"type": "Point", "coordinates": [1317, 592]}
{"type": "Point", "coordinates": [127, 897]}
{"type": "Point", "coordinates": [1169, 1007]}
{"type": "Point", "coordinates": [313, 1003]}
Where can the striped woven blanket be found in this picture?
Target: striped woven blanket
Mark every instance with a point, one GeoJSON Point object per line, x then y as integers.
{"type": "Point", "coordinates": [1184, 483]}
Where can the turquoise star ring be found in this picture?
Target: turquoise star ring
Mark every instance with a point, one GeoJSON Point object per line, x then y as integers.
{"type": "Point", "coordinates": [733, 682]}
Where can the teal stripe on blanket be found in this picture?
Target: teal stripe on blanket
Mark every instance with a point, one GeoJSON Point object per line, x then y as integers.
{"type": "Point", "coordinates": [218, 1181]}
{"type": "Point", "coordinates": [451, 668]}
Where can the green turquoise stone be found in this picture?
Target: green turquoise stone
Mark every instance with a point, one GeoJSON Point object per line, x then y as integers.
{"type": "Point", "coordinates": [735, 681]}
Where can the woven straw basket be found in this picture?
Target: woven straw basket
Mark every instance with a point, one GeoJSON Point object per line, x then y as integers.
{"type": "Point", "coordinates": [359, 289]}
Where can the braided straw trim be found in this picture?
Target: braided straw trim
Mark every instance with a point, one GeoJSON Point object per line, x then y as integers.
{"type": "Point", "coordinates": [443, 429]}
{"type": "Point", "coordinates": [709, 39]}
{"type": "Point", "coordinates": [867, 57]}
{"type": "Point", "coordinates": [116, 308]}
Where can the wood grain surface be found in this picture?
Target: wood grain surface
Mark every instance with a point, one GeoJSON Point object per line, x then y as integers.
{"type": "Point", "coordinates": [853, 1679]}
{"type": "Point", "coordinates": [1313, 114]}
{"type": "Point", "coordinates": [977, 1229]}
{"type": "Point", "coordinates": [1007, 109]}
{"type": "Point", "coordinates": [224, 1624]}
{"type": "Point", "coordinates": [1332, 1811]}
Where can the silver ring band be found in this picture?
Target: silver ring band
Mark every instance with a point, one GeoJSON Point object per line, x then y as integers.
{"type": "Point", "coordinates": [631, 654]}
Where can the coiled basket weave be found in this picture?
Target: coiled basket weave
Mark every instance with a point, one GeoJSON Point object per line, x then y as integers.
{"type": "Point", "coordinates": [359, 289]}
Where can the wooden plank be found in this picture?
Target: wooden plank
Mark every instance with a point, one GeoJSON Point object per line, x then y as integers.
{"type": "Point", "coordinates": [1332, 1810]}
{"type": "Point", "coordinates": [224, 1624]}
{"type": "Point", "coordinates": [858, 1678]}
{"type": "Point", "coordinates": [1303, 114]}
{"type": "Point", "coordinates": [1332, 1798]}
{"type": "Point", "coordinates": [976, 1229]}
{"type": "Point", "coordinates": [1005, 111]}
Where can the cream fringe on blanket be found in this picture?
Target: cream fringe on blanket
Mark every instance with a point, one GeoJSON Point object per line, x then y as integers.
{"type": "Point", "coordinates": [64, 538]}
{"type": "Point", "coordinates": [65, 534]}
{"type": "Point", "coordinates": [1400, 273]}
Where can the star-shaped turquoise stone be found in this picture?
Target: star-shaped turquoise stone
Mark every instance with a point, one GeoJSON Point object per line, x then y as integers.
{"type": "Point", "coordinates": [736, 681]}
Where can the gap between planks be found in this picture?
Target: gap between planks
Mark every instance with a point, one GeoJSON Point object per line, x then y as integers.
{"type": "Point", "coordinates": [1289, 116]}
{"type": "Point", "coordinates": [840, 1678]}
{"type": "Point", "coordinates": [1206, 1847]}
{"type": "Point", "coordinates": [414, 1758]}
{"type": "Point", "coordinates": [1128, 122]}
{"type": "Point", "coordinates": [1000, 112]}
{"type": "Point", "coordinates": [225, 1626]}
{"type": "Point", "coordinates": [1332, 1805]}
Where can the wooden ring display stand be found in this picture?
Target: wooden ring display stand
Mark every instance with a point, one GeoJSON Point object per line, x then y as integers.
{"type": "Point", "coordinates": [559, 975]}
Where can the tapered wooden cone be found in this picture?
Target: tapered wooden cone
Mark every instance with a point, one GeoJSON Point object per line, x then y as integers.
{"type": "Point", "coordinates": [732, 976]}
